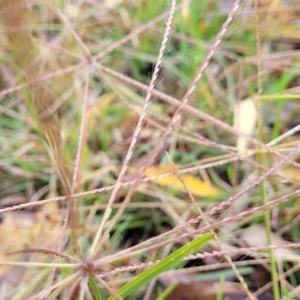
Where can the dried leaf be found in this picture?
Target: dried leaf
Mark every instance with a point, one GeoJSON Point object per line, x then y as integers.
{"type": "Point", "coordinates": [245, 117]}
{"type": "Point", "coordinates": [256, 236]}
{"type": "Point", "coordinates": [196, 186]}
{"type": "Point", "coordinates": [207, 291]}
{"type": "Point", "coordinates": [22, 229]}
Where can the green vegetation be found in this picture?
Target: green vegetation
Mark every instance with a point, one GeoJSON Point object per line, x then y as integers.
{"type": "Point", "coordinates": [149, 150]}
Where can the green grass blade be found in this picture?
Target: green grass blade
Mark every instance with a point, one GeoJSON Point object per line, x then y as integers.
{"type": "Point", "coordinates": [163, 265]}
{"type": "Point", "coordinates": [95, 288]}
{"type": "Point", "coordinates": [167, 291]}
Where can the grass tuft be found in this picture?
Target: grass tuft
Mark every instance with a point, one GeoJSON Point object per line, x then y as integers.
{"type": "Point", "coordinates": [149, 150]}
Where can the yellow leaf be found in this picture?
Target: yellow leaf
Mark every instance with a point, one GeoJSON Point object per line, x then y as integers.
{"type": "Point", "coordinates": [196, 186]}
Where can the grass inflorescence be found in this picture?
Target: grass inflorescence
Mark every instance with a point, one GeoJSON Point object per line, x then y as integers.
{"type": "Point", "coordinates": [149, 151]}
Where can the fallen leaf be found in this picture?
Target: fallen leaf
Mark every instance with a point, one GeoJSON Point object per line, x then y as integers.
{"type": "Point", "coordinates": [245, 117]}
{"type": "Point", "coordinates": [207, 290]}
{"type": "Point", "coordinates": [256, 236]}
{"type": "Point", "coordinates": [195, 185]}
{"type": "Point", "coordinates": [25, 229]}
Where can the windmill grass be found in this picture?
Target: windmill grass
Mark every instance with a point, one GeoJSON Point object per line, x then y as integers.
{"type": "Point", "coordinates": [90, 104]}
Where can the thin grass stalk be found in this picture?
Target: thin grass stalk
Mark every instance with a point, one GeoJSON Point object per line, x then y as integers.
{"type": "Point", "coordinates": [137, 31]}
{"type": "Point", "coordinates": [203, 166]}
{"type": "Point", "coordinates": [197, 113]}
{"type": "Point", "coordinates": [98, 241]}
{"type": "Point", "coordinates": [216, 238]}
{"type": "Point", "coordinates": [74, 33]}
{"type": "Point", "coordinates": [74, 290]}
{"type": "Point", "coordinates": [72, 213]}
{"type": "Point", "coordinates": [109, 188]}
{"type": "Point", "coordinates": [95, 288]}
{"type": "Point", "coordinates": [23, 56]}
{"type": "Point", "coordinates": [150, 243]}
{"type": "Point", "coordinates": [38, 100]}
{"type": "Point", "coordinates": [63, 282]}
{"type": "Point", "coordinates": [222, 206]}
{"type": "Point", "coordinates": [107, 287]}
{"type": "Point", "coordinates": [285, 274]}
{"type": "Point", "coordinates": [99, 56]}
{"type": "Point", "coordinates": [175, 117]}
{"type": "Point", "coordinates": [62, 71]}
{"type": "Point", "coordinates": [267, 217]}
{"type": "Point", "coordinates": [242, 251]}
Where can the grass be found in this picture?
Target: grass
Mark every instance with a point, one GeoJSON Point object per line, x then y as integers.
{"type": "Point", "coordinates": [119, 155]}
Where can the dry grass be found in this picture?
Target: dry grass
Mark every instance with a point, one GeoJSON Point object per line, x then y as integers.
{"type": "Point", "coordinates": [118, 148]}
